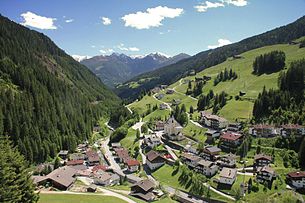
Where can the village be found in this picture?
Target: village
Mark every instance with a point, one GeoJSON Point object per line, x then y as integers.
{"type": "Point", "coordinates": [93, 168]}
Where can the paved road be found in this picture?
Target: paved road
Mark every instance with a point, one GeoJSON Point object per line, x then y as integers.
{"type": "Point", "coordinates": [109, 156]}
{"type": "Point", "coordinates": [129, 109]}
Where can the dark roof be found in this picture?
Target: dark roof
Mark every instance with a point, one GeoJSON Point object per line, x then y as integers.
{"type": "Point", "coordinates": [296, 174]}
{"type": "Point", "coordinates": [132, 162]}
{"type": "Point", "coordinates": [152, 155]}
{"type": "Point", "coordinates": [190, 156]}
{"type": "Point", "coordinates": [63, 176]}
{"type": "Point", "coordinates": [75, 162]}
{"type": "Point", "coordinates": [266, 169]}
{"type": "Point", "coordinates": [230, 136]}
{"type": "Point", "coordinates": [262, 156]}
{"type": "Point", "coordinates": [145, 185]}
{"type": "Point", "coordinates": [213, 149]}
{"type": "Point", "coordinates": [147, 197]}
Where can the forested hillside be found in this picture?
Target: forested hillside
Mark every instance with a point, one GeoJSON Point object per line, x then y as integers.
{"type": "Point", "coordinates": [48, 100]}
{"type": "Point", "coordinates": [172, 73]}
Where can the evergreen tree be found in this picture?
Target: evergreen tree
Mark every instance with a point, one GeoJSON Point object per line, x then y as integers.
{"type": "Point", "coordinates": [16, 183]}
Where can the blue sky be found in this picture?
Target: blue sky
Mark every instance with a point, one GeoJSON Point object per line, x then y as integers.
{"type": "Point", "coordinates": [137, 27]}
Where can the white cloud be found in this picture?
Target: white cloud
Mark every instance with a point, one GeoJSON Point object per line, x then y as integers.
{"type": "Point", "coordinates": [221, 42]}
{"type": "Point", "coordinates": [106, 21]}
{"type": "Point", "coordinates": [134, 49]}
{"type": "Point", "coordinates": [204, 6]}
{"type": "Point", "coordinates": [93, 46]}
{"type": "Point", "coordinates": [36, 21]}
{"type": "Point", "coordinates": [152, 17]}
{"type": "Point", "coordinates": [236, 2]}
{"type": "Point", "coordinates": [69, 20]}
{"type": "Point", "coordinates": [103, 51]}
{"type": "Point", "coordinates": [110, 50]}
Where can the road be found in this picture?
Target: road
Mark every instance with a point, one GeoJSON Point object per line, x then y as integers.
{"type": "Point", "coordinates": [109, 156]}
{"type": "Point", "coordinates": [180, 83]}
{"type": "Point", "coordinates": [167, 104]}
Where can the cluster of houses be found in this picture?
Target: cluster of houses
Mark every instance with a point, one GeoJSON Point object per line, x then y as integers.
{"type": "Point", "coordinates": [262, 130]}
{"type": "Point", "coordinates": [122, 156]}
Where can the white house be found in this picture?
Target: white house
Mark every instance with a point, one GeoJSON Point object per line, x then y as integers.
{"type": "Point", "coordinates": [152, 140]}
{"type": "Point", "coordinates": [213, 121]}
{"type": "Point", "coordinates": [154, 160]}
{"type": "Point", "coordinates": [265, 173]}
{"type": "Point", "coordinates": [132, 165]}
{"type": "Point", "coordinates": [190, 159]}
{"type": "Point", "coordinates": [207, 168]}
{"type": "Point", "coordinates": [296, 179]}
{"type": "Point", "coordinates": [227, 176]}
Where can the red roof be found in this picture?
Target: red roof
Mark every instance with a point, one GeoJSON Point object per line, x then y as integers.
{"type": "Point", "coordinates": [292, 126]}
{"type": "Point", "coordinates": [297, 174]}
{"type": "Point", "coordinates": [75, 162]}
{"type": "Point", "coordinates": [99, 167]}
{"type": "Point", "coordinates": [262, 126]}
{"type": "Point", "coordinates": [230, 136]}
{"type": "Point", "coordinates": [133, 162]}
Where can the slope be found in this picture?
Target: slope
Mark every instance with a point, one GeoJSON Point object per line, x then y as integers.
{"type": "Point", "coordinates": [174, 72]}
{"type": "Point", "coordinates": [48, 100]}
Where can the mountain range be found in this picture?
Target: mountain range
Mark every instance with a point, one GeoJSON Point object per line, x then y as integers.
{"type": "Point", "coordinates": [117, 68]}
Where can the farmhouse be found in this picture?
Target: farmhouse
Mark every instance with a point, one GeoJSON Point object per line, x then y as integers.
{"type": "Point", "coordinates": [154, 160]}
{"type": "Point", "coordinates": [62, 178]}
{"type": "Point", "coordinates": [159, 126]}
{"type": "Point", "coordinates": [93, 158]}
{"type": "Point", "coordinates": [106, 179]}
{"type": "Point", "coordinates": [234, 127]}
{"type": "Point", "coordinates": [160, 96]}
{"type": "Point", "coordinates": [262, 160]}
{"type": "Point", "coordinates": [263, 131]}
{"type": "Point", "coordinates": [144, 190]}
{"type": "Point", "coordinates": [75, 162]}
{"type": "Point", "coordinates": [227, 176]}
{"type": "Point", "coordinates": [207, 168]}
{"type": "Point", "coordinates": [213, 121]}
{"type": "Point", "coordinates": [210, 153]}
{"type": "Point", "coordinates": [170, 91]}
{"type": "Point", "coordinates": [296, 179]}
{"type": "Point", "coordinates": [132, 165]}
{"type": "Point", "coordinates": [152, 140]}
{"type": "Point", "coordinates": [230, 141]}
{"type": "Point", "coordinates": [190, 159]}
{"type": "Point", "coordinates": [163, 106]}
{"type": "Point", "coordinates": [265, 174]}
{"type": "Point", "coordinates": [288, 130]}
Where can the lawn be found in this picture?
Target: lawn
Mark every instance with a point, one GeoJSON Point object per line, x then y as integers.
{"type": "Point", "coordinates": [74, 198]}
{"type": "Point", "coordinates": [142, 105]}
{"type": "Point", "coordinates": [157, 114]}
{"type": "Point", "coordinates": [194, 131]}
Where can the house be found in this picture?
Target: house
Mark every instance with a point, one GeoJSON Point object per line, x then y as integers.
{"type": "Point", "coordinates": [160, 96]}
{"type": "Point", "coordinates": [207, 168]}
{"type": "Point", "coordinates": [212, 134]}
{"type": "Point", "coordinates": [192, 72]}
{"type": "Point", "coordinates": [106, 179]}
{"type": "Point", "coordinates": [191, 149]}
{"type": "Point", "coordinates": [121, 154]}
{"type": "Point", "coordinates": [144, 190]}
{"type": "Point", "coordinates": [93, 158]}
{"type": "Point", "coordinates": [288, 130]}
{"type": "Point", "coordinates": [296, 179]}
{"type": "Point", "coordinates": [159, 126]}
{"type": "Point", "coordinates": [227, 176]}
{"type": "Point", "coordinates": [237, 57]}
{"type": "Point", "coordinates": [227, 160]}
{"type": "Point", "coordinates": [163, 106]}
{"type": "Point", "coordinates": [261, 130]}
{"type": "Point", "coordinates": [62, 178]}
{"type": "Point", "coordinates": [154, 160]}
{"type": "Point", "coordinates": [173, 129]}
{"type": "Point", "coordinates": [176, 102]}
{"type": "Point", "coordinates": [262, 160]}
{"type": "Point", "coordinates": [190, 159]}
{"type": "Point", "coordinates": [210, 153]}
{"type": "Point", "coordinates": [163, 87]}
{"type": "Point", "coordinates": [133, 165]}
{"type": "Point", "coordinates": [234, 127]}
{"type": "Point", "coordinates": [230, 141]}
{"type": "Point", "coordinates": [63, 154]}
{"type": "Point", "coordinates": [75, 162]}
{"type": "Point", "coordinates": [213, 121]}
{"type": "Point", "coordinates": [97, 168]}
{"type": "Point", "coordinates": [265, 174]}
{"type": "Point", "coordinates": [77, 156]}
{"type": "Point", "coordinates": [82, 147]}
{"type": "Point", "coordinates": [152, 140]}
{"type": "Point", "coordinates": [156, 90]}
{"type": "Point", "coordinates": [170, 91]}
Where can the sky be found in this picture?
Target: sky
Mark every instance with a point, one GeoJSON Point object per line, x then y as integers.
{"type": "Point", "coordinates": [139, 27]}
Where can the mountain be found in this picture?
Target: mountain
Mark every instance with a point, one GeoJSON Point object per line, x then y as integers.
{"type": "Point", "coordinates": [48, 100]}
{"type": "Point", "coordinates": [118, 68]}
{"type": "Point", "coordinates": [171, 73]}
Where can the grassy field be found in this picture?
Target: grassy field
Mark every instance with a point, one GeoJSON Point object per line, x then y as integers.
{"type": "Point", "coordinates": [142, 105]}
{"type": "Point", "coordinates": [246, 81]}
{"type": "Point", "coordinates": [194, 131]}
{"type": "Point", "coordinates": [73, 198]}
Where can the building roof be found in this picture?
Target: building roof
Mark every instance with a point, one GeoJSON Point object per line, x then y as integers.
{"type": "Point", "coordinates": [77, 156]}
{"type": "Point", "coordinates": [99, 167]}
{"type": "Point", "coordinates": [153, 155]}
{"type": "Point", "coordinates": [63, 175]}
{"type": "Point", "coordinates": [75, 162]}
{"type": "Point", "coordinates": [145, 185]}
{"type": "Point", "coordinates": [230, 136]}
{"type": "Point", "coordinates": [171, 121]}
{"type": "Point", "coordinates": [122, 153]}
{"type": "Point", "coordinates": [132, 162]}
{"type": "Point", "coordinates": [262, 156]}
{"type": "Point", "coordinates": [211, 132]}
{"type": "Point", "coordinates": [38, 179]}
{"type": "Point", "coordinates": [263, 126]}
{"type": "Point", "coordinates": [94, 158]}
{"type": "Point", "coordinates": [191, 157]}
{"type": "Point", "coordinates": [296, 174]}
{"type": "Point", "coordinates": [147, 197]}
{"type": "Point", "coordinates": [292, 126]}
{"type": "Point", "coordinates": [228, 172]}
{"type": "Point", "coordinates": [104, 176]}
{"type": "Point", "coordinates": [63, 152]}
{"type": "Point", "coordinates": [205, 163]}
{"type": "Point", "coordinates": [213, 149]}
{"type": "Point", "coordinates": [79, 167]}
{"type": "Point", "coordinates": [210, 116]}
{"type": "Point", "coordinates": [116, 144]}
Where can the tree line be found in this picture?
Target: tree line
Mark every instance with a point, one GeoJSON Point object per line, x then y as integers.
{"type": "Point", "coordinates": [225, 76]}
{"type": "Point", "coordinates": [269, 62]}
